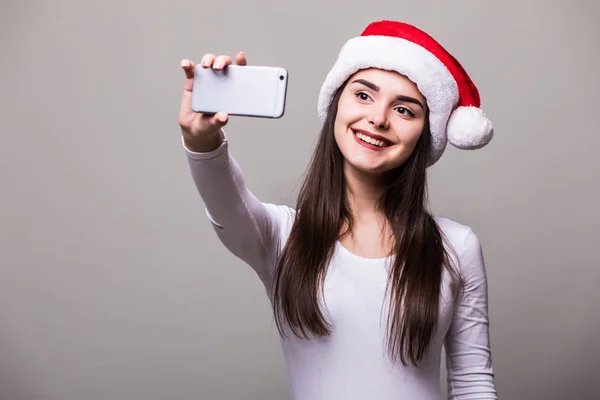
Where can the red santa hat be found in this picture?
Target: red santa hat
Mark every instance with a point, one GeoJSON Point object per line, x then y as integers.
{"type": "Point", "coordinates": [452, 98]}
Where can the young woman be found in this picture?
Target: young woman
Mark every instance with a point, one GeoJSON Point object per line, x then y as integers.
{"type": "Point", "coordinates": [366, 285]}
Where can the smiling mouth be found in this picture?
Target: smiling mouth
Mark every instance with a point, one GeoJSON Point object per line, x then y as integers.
{"type": "Point", "coordinates": [381, 143]}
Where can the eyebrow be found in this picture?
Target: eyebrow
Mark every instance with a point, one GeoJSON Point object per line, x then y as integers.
{"type": "Point", "coordinates": [400, 97]}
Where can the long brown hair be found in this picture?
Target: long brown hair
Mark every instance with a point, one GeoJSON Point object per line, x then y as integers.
{"type": "Point", "coordinates": [323, 210]}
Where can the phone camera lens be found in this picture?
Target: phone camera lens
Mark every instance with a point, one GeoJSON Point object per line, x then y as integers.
{"type": "Point", "coordinates": [281, 77]}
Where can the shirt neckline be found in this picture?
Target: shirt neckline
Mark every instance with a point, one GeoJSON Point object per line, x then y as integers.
{"type": "Point", "coordinates": [369, 260]}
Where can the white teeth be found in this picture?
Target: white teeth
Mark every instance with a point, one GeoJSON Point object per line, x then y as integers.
{"type": "Point", "coordinates": [370, 140]}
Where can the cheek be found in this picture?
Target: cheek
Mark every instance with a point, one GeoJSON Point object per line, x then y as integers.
{"type": "Point", "coordinates": [409, 135]}
{"type": "Point", "coordinates": [407, 139]}
{"type": "Point", "coordinates": [347, 115]}
{"type": "Point", "coordinates": [341, 137]}
{"type": "Point", "coordinates": [349, 111]}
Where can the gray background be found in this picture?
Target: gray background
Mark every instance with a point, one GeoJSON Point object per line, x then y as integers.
{"type": "Point", "coordinates": [113, 284]}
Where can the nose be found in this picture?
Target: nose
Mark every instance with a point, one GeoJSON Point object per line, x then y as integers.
{"type": "Point", "coordinates": [378, 118]}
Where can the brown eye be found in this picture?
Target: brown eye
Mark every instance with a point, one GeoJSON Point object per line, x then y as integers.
{"type": "Point", "coordinates": [363, 96]}
{"type": "Point", "coordinates": [405, 111]}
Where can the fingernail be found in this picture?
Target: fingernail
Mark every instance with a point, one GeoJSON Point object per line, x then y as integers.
{"type": "Point", "coordinates": [185, 63]}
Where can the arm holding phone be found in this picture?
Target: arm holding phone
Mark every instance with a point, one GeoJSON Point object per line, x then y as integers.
{"type": "Point", "coordinates": [249, 228]}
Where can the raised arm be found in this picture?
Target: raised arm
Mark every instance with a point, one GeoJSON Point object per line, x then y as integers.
{"type": "Point", "coordinates": [245, 225]}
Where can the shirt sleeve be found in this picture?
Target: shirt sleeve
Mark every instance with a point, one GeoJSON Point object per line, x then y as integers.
{"type": "Point", "coordinates": [247, 227]}
{"type": "Point", "coordinates": [467, 343]}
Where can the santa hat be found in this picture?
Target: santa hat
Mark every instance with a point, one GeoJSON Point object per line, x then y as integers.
{"type": "Point", "coordinates": [452, 98]}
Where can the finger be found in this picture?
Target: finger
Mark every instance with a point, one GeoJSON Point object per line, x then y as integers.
{"type": "Point", "coordinates": [189, 68]}
{"type": "Point", "coordinates": [220, 119]}
{"type": "Point", "coordinates": [221, 62]}
{"type": "Point", "coordinates": [207, 60]}
{"type": "Point", "coordinates": [213, 122]}
{"type": "Point", "coordinates": [186, 99]}
{"type": "Point", "coordinates": [240, 58]}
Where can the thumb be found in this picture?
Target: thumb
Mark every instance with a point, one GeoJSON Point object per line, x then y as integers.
{"type": "Point", "coordinates": [220, 119]}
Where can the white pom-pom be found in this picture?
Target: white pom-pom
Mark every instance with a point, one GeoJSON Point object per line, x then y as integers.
{"type": "Point", "coordinates": [469, 128]}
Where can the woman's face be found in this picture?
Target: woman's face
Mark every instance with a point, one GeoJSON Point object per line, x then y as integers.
{"type": "Point", "coordinates": [380, 117]}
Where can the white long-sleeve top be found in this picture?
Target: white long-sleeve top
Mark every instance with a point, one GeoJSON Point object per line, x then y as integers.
{"type": "Point", "coordinates": [353, 363]}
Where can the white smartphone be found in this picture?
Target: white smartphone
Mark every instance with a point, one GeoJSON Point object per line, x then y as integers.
{"type": "Point", "coordinates": [252, 91]}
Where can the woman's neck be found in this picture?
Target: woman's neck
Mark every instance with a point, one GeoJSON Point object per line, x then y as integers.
{"type": "Point", "coordinates": [371, 236]}
{"type": "Point", "coordinates": [363, 190]}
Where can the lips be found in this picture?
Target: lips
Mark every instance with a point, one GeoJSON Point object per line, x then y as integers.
{"type": "Point", "coordinates": [370, 139]}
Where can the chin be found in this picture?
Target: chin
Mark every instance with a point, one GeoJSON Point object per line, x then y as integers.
{"type": "Point", "coordinates": [369, 168]}
{"type": "Point", "coordinates": [372, 163]}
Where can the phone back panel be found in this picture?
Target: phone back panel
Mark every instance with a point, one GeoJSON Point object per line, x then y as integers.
{"type": "Point", "coordinates": [240, 90]}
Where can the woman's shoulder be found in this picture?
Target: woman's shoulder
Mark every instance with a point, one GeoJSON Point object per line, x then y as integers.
{"type": "Point", "coordinates": [281, 211]}
{"type": "Point", "coordinates": [466, 253]}
{"type": "Point", "coordinates": [460, 236]}
{"type": "Point", "coordinates": [284, 215]}
{"type": "Point", "coordinates": [451, 228]}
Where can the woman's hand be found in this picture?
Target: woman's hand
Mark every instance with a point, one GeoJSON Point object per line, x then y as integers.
{"type": "Point", "coordinates": [202, 132]}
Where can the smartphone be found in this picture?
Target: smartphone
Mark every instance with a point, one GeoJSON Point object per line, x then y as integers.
{"type": "Point", "coordinates": [252, 91]}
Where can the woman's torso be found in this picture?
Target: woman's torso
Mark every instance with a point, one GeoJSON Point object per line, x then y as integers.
{"type": "Point", "coordinates": [353, 363]}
